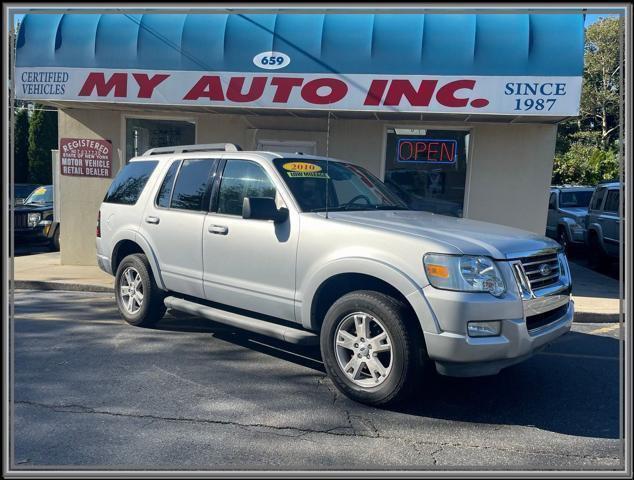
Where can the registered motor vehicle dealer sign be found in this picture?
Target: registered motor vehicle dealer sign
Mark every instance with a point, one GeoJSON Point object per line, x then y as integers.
{"type": "Point", "coordinates": [85, 157]}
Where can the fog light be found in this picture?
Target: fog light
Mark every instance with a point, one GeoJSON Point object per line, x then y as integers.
{"type": "Point", "coordinates": [484, 329]}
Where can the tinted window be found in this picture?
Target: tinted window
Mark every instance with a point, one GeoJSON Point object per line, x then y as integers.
{"type": "Point", "coordinates": [612, 202]}
{"type": "Point", "coordinates": [191, 185]}
{"type": "Point", "coordinates": [129, 183]}
{"type": "Point", "coordinates": [163, 197]}
{"type": "Point", "coordinates": [241, 179]}
{"type": "Point", "coordinates": [597, 199]}
{"type": "Point", "coordinates": [575, 199]}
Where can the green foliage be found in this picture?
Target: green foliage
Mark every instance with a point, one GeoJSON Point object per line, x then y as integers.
{"type": "Point", "coordinates": [20, 146]}
{"type": "Point", "coordinates": [585, 165]}
{"type": "Point", "coordinates": [587, 147]}
{"type": "Point", "coordinates": [42, 139]}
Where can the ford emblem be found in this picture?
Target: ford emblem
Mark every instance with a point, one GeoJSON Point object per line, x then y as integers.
{"type": "Point", "coordinates": [545, 270]}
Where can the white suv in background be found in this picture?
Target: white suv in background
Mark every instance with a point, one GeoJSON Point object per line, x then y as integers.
{"type": "Point", "coordinates": [311, 249]}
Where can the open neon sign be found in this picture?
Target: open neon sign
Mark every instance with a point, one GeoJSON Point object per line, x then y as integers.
{"type": "Point", "coordinates": [427, 150]}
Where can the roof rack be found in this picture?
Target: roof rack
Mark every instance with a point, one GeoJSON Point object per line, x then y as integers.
{"type": "Point", "coordinates": [208, 147]}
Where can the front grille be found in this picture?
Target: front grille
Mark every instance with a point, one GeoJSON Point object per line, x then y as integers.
{"type": "Point", "coordinates": [543, 319]}
{"type": "Point", "coordinates": [541, 270]}
{"type": "Point", "coordinates": [21, 220]}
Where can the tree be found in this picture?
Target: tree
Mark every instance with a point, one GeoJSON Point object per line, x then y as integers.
{"type": "Point", "coordinates": [42, 139]}
{"type": "Point", "coordinates": [585, 165]}
{"type": "Point", "coordinates": [20, 146]}
{"type": "Point", "coordinates": [600, 96]}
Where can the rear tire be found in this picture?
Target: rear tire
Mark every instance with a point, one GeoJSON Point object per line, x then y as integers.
{"type": "Point", "coordinates": [372, 350]}
{"type": "Point", "coordinates": [54, 245]}
{"type": "Point", "coordinates": [139, 299]}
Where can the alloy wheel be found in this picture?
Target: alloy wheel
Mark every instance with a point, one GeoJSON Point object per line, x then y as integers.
{"type": "Point", "coordinates": [363, 349]}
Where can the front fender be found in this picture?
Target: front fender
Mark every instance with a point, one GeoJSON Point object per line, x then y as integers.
{"type": "Point", "coordinates": [405, 284]}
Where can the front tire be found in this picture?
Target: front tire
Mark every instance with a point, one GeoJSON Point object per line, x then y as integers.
{"type": "Point", "coordinates": [562, 239]}
{"type": "Point", "coordinates": [371, 349]}
{"type": "Point", "coordinates": [139, 299]}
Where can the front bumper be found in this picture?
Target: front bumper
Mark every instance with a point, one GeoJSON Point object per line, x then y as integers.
{"type": "Point", "coordinates": [464, 356]}
{"type": "Point", "coordinates": [32, 234]}
{"type": "Point", "coordinates": [529, 321]}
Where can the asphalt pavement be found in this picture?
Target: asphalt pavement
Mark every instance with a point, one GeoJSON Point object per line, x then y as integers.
{"type": "Point", "coordinates": [93, 392]}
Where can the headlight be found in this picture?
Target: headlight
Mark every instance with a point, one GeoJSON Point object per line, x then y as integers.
{"type": "Point", "coordinates": [34, 219]}
{"type": "Point", "coordinates": [464, 273]}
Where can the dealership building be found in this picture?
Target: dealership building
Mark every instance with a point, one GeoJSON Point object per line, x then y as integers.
{"type": "Point", "coordinates": [458, 113]}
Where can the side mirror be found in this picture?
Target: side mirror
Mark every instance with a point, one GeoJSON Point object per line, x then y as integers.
{"type": "Point", "coordinates": [263, 208]}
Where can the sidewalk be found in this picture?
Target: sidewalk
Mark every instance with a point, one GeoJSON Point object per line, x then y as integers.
{"type": "Point", "coordinates": [596, 295]}
{"type": "Point", "coordinates": [42, 271]}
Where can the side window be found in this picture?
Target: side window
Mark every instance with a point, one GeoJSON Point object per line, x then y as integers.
{"type": "Point", "coordinates": [242, 178]}
{"type": "Point", "coordinates": [612, 202]}
{"type": "Point", "coordinates": [552, 203]}
{"type": "Point", "coordinates": [127, 186]}
{"type": "Point", "coordinates": [190, 189]}
{"type": "Point", "coordinates": [163, 197]}
{"type": "Point", "coordinates": [597, 199]}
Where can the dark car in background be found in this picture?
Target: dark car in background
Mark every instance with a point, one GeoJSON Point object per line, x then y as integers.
{"type": "Point", "coordinates": [567, 212]}
{"type": "Point", "coordinates": [22, 191]}
{"type": "Point", "coordinates": [604, 221]}
{"type": "Point", "coordinates": [33, 220]}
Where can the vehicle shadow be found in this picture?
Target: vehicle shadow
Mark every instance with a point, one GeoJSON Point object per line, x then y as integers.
{"type": "Point", "coordinates": [572, 387]}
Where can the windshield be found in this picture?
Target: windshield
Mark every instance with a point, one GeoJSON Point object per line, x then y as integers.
{"type": "Point", "coordinates": [41, 195]}
{"type": "Point", "coordinates": [575, 199]}
{"type": "Point", "coordinates": [349, 187]}
{"type": "Point", "coordinates": [22, 191]}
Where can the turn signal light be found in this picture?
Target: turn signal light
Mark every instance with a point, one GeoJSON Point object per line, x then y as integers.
{"type": "Point", "coordinates": [99, 224]}
{"type": "Point", "coordinates": [440, 271]}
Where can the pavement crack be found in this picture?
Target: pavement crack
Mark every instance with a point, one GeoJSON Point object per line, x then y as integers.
{"type": "Point", "coordinates": [79, 409]}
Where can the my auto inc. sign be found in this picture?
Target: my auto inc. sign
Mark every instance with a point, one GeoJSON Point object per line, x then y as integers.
{"type": "Point", "coordinates": [503, 95]}
{"type": "Point", "coordinates": [85, 157]}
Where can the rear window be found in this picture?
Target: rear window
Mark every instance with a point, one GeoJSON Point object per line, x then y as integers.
{"type": "Point", "coordinates": [129, 183]}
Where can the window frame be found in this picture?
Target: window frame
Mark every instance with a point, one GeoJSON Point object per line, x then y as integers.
{"type": "Point", "coordinates": [600, 191]}
{"type": "Point", "coordinates": [215, 194]}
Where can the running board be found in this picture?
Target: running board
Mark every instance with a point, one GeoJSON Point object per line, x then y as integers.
{"type": "Point", "coordinates": [281, 332]}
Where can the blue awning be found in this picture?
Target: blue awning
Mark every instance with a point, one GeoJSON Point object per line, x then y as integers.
{"type": "Point", "coordinates": [413, 44]}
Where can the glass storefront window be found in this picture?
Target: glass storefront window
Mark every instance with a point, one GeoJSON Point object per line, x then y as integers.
{"type": "Point", "coordinates": [427, 169]}
{"type": "Point", "coordinates": [144, 133]}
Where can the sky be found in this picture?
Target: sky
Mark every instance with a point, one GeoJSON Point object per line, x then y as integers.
{"type": "Point", "coordinates": [590, 18]}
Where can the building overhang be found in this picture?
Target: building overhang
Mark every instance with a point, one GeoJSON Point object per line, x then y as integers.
{"type": "Point", "coordinates": [517, 68]}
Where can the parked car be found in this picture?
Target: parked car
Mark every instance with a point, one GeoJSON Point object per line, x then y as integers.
{"type": "Point", "coordinates": [309, 249]}
{"type": "Point", "coordinates": [567, 211]}
{"type": "Point", "coordinates": [33, 220]}
{"type": "Point", "coordinates": [603, 221]}
{"type": "Point", "coordinates": [22, 191]}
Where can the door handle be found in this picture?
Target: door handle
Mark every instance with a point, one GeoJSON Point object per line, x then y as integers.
{"type": "Point", "coordinates": [218, 229]}
{"type": "Point", "coordinates": [153, 220]}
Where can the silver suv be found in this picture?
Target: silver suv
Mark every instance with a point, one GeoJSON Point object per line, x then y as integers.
{"type": "Point", "coordinates": [604, 221]}
{"type": "Point", "coordinates": [315, 250]}
{"type": "Point", "coordinates": [567, 212]}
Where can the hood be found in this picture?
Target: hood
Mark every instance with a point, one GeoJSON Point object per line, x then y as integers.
{"type": "Point", "coordinates": [470, 237]}
{"type": "Point", "coordinates": [33, 208]}
{"type": "Point", "coordinates": [576, 212]}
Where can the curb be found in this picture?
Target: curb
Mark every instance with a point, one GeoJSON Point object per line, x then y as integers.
{"type": "Point", "coordinates": [71, 287]}
{"type": "Point", "coordinates": [595, 317]}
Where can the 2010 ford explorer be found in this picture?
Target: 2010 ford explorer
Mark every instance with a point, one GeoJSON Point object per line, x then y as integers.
{"type": "Point", "coordinates": [311, 249]}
